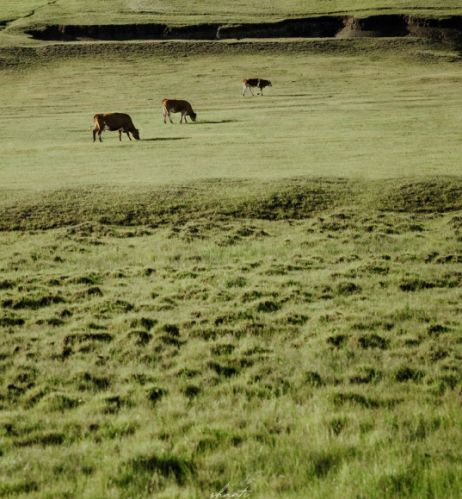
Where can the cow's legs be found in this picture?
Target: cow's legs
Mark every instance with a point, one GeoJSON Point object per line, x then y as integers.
{"type": "Point", "coordinates": [128, 135]}
{"type": "Point", "coordinates": [167, 113]}
{"type": "Point", "coordinates": [250, 88]}
{"type": "Point", "coordinates": [120, 135]}
{"type": "Point", "coordinates": [97, 131]}
{"type": "Point", "coordinates": [244, 88]}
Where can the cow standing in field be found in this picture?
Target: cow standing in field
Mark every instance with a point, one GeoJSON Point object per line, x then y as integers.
{"type": "Point", "coordinates": [255, 83]}
{"type": "Point", "coordinates": [114, 122]}
{"type": "Point", "coordinates": [177, 106]}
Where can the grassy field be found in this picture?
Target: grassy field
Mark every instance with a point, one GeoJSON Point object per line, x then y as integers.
{"type": "Point", "coordinates": [77, 11]}
{"type": "Point", "coordinates": [355, 115]}
{"type": "Point", "coordinates": [265, 303]}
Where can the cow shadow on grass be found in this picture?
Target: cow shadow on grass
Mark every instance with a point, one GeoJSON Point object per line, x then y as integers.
{"type": "Point", "coordinates": [214, 122]}
{"type": "Point", "coordinates": [296, 95]}
{"type": "Point", "coordinates": [158, 139]}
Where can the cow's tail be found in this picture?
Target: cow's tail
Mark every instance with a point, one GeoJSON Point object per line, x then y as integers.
{"type": "Point", "coordinates": [97, 122]}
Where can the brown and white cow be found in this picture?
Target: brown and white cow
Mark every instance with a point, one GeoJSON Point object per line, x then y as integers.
{"type": "Point", "coordinates": [177, 106]}
{"type": "Point", "coordinates": [255, 83]}
{"type": "Point", "coordinates": [120, 122]}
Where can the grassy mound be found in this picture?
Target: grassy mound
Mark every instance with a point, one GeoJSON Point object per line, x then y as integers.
{"type": "Point", "coordinates": [430, 195]}
{"type": "Point", "coordinates": [217, 200]}
{"type": "Point", "coordinates": [294, 198]}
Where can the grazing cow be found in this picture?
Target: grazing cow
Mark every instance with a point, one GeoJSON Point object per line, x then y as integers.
{"type": "Point", "coordinates": [114, 122]}
{"type": "Point", "coordinates": [255, 83]}
{"type": "Point", "coordinates": [177, 106]}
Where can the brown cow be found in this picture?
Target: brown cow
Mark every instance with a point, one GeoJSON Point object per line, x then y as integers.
{"type": "Point", "coordinates": [177, 106]}
{"type": "Point", "coordinates": [255, 83]}
{"type": "Point", "coordinates": [114, 122]}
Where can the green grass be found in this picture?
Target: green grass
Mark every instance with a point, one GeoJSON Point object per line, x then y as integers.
{"type": "Point", "coordinates": [12, 10]}
{"type": "Point", "coordinates": [267, 300]}
{"type": "Point", "coordinates": [175, 11]}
